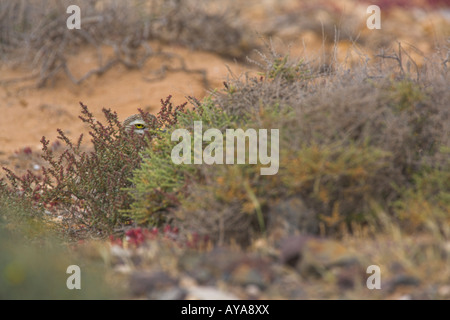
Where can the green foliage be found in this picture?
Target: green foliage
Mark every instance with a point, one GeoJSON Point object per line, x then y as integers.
{"type": "Point", "coordinates": [159, 184]}
{"type": "Point", "coordinates": [426, 205]}
{"type": "Point", "coordinates": [287, 71]}
{"type": "Point", "coordinates": [227, 205]}
{"type": "Point", "coordinates": [337, 184]}
{"type": "Point", "coordinates": [337, 181]}
{"type": "Point", "coordinates": [406, 94]}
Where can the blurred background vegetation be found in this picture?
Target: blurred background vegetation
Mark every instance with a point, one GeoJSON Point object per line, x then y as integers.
{"type": "Point", "coordinates": [364, 134]}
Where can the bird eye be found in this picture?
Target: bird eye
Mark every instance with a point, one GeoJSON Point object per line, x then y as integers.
{"type": "Point", "coordinates": [139, 126]}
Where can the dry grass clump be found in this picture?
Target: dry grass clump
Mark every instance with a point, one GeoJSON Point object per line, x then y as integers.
{"type": "Point", "coordinates": [203, 26]}
{"type": "Point", "coordinates": [37, 33]}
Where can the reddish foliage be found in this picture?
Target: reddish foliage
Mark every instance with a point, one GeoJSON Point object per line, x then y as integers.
{"type": "Point", "coordinates": [168, 114]}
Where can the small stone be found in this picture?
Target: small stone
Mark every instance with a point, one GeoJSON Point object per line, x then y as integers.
{"type": "Point", "coordinates": [205, 269]}
{"type": "Point", "coordinates": [209, 293]}
{"type": "Point", "coordinates": [444, 291]}
{"type": "Point", "coordinates": [123, 269]}
{"type": "Point", "coordinates": [145, 283]}
{"type": "Point", "coordinates": [120, 258]}
{"type": "Point", "coordinates": [247, 275]}
{"type": "Point", "coordinates": [402, 280]}
{"type": "Point", "coordinates": [253, 291]}
{"type": "Point", "coordinates": [291, 250]}
{"type": "Point", "coordinates": [170, 294]}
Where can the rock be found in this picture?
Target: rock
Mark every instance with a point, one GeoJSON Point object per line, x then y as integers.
{"type": "Point", "coordinates": [252, 291]}
{"type": "Point", "coordinates": [169, 294]}
{"type": "Point", "coordinates": [327, 253]}
{"type": "Point", "coordinates": [346, 277]}
{"type": "Point", "coordinates": [194, 265]}
{"type": "Point", "coordinates": [209, 293]}
{"type": "Point", "coordinates": [208, 267]}
{"type": "Point", "coordinates": [145, 283]}
{"type": "Point", "coordinates": [227, 265]}
{"type": "Point", "coordinates": [292, 250]}
{"type": "Point", "coordinates": [290, 217]}
{"type": "Point", "coordinates": [444, 292]}
{"type": "Point", "coordinates": [401, 280]}
{"type": "Point", "coordinates": [313, 256]}
{"type": "Point", "coordinates": [252, 271]}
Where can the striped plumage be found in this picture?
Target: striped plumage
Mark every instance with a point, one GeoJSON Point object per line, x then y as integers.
{"type": "Point", "coordinates": [136, 123]}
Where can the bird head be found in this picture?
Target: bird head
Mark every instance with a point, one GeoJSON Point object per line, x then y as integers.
{"type": "Point", "coordinates": [138, 125]}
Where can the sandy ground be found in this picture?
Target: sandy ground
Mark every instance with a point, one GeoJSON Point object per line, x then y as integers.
{"type": "Point", "coordinates": [28, 113]}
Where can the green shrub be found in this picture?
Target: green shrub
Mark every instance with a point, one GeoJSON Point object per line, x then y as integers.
{"type": "Point", "coordinates": [235, 201]}
{"type": "Point", "coordinates": [337, 182]}
{"type": "Point", "coordinates": [426, 205]}
{"type": "Point", "coordinates": [159, 184]}
{"type": "Point", "coordinates": [225, 206]}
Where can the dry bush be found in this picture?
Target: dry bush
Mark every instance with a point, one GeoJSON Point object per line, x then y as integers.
{"type": "Point", "coordinates": [324, 18]}
{"type": "Point", "coordinates": [45, 40]}
{"type": "Point", "coordinates": [351, 142]}
{"type": "Point", "coordinates": [201, 26]}
{"type": "Point", "coordinates": [221, 219]}
{"type": "Point", "coordinates": [402, 112]}
{"type": "Point", "coordinates": [36, 32]}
